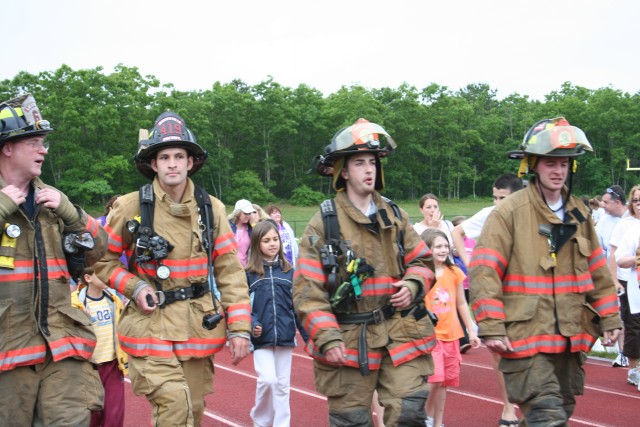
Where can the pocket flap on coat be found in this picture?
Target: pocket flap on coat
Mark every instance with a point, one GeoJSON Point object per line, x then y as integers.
{"type": "Point", "coordinates": [518, 308]}
{"type": "Point", "coordinates": [584, 246]}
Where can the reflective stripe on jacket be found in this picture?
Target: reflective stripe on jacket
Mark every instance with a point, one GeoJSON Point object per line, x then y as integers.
{"type": "Point", "coordinates": [34, 295]}
{"type": "Point", "coordinates": [516, 290]}
{"type": "Point", "coordinates": [176, 328]}
{"type": "Point", "coordinates": [403, 337]}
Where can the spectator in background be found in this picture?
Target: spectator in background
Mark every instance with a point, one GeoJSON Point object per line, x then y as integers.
{"type": "Point", "coordinates": [433, 218]}
{"type": "Point", "coordinates": [240, 221]}
{"type": "Point", "coordinates": [258, 215]}
{"type": "Point", "coordinates": [468, 248]}
{"type": "Point", "coordinates": [625, 239]}
{"type": "Point", "coordinates": [273, 325]}
{"type": "Point", "coordinates": [107, 209]}
{"type": "Point", "coordinates": [446, 300]}
{"type": "Point", "coordinates": [597, 208]}
{"type": "Point", "coordinates": [615, 207]}
{"type": "Point", "coordinates": [288, 237]}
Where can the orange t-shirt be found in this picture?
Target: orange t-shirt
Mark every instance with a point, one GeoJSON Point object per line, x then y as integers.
{"type": "Point", "coordinates": [441, 300]}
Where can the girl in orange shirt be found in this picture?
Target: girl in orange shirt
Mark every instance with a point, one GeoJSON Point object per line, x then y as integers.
{"type": "Point", "coordinates": [446, 299]}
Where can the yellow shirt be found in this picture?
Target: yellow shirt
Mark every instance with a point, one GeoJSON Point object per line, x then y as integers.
{"type": "Point", "coordinates": [102, 320]}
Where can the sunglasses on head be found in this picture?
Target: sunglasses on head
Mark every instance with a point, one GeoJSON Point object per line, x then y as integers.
{"type": "Point", "coordinates": [612, 191]}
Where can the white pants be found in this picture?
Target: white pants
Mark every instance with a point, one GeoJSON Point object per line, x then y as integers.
{"type": "Point", "coordinates": [273, 367]}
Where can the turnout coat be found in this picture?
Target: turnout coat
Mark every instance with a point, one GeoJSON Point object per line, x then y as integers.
{"type": "Point", "coordinates": [403, 336]}
{"type": "Point", "coordinates": [518, 289]}
{"type": "Point", "coordinates": [35, 297]}
{"type": "Point", "coordinates": [177, 328]}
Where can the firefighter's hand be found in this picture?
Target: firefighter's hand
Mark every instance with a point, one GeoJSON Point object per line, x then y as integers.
{"type": "Point", "coordinates": [239, 348]}
{"type": "Point", "coordinates": [15, 194]}
{"type": "Point", "coordinates": [143, 298]}
{"type": "Point", "coordinates": [402, 298]}
{"type": "Point", "coordinates": [499, 346]}
{"type": "Point", "coordinates": [337, 354]}
{"type": "Point", "coordinates": [610, 337]}
{"type": "Point", "coordinates": [48, 197]}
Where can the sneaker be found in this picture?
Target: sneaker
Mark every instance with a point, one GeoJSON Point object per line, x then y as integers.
{"type": "Point", "coordinates": [464, 348]}
{"type": "Point", "coordinates": [429, 422]}
{"type": "Point", "coordinates": [620, 361]}
{"type": "Point", "coordinates": [633, 377]}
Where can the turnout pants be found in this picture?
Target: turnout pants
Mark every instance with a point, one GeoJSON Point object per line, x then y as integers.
{"type": "Point", "coordinates": [544, 386]}
{"type": "Point", "coordinates": [175, 388]}
{"type": "Point", "coordinates": [50, 394]}
{"type": "Point", "coordinates": [402, 391]}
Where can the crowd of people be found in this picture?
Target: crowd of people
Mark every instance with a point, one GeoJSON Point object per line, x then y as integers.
{"type": "Point", "coordinates": [386, 308]}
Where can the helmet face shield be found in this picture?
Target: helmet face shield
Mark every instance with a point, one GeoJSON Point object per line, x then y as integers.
{"type": "Point", "coordinates": [363, 135]}
{"type": "Point", "coordinates": [559, 141]}
{"type": "Point", "coordinates": [550, 138]}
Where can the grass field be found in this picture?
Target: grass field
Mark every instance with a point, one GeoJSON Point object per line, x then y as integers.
{"type": "Point", "coordinates": [298, 216]}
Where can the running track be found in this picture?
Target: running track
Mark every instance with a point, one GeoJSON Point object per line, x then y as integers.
{"type": "Point", "coordinates": [608, 399]}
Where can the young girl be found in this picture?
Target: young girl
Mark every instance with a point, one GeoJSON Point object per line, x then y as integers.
{"type": "Point", "coordinates": [446, 299]}
{"type": "Point", "coordinates": [273, 324]}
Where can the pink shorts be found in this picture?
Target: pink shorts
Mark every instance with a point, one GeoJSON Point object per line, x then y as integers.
{"type": "Point", "coordinates": [446, 363]}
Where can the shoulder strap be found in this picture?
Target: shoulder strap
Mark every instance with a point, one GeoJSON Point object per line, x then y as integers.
{"type": "Point", "coordinates": [330, 220]}
{"type": "Point", "coordinates": [146, 206]}
{"type": "Point", "coordinates": [398, 214]}
{"type": "Point", "coordinates": [206, 211]}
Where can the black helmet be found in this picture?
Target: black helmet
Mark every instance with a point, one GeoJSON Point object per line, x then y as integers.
{"type": "Point", "coordinates": [361, 137]}
{"type": "Point", "coordinates": [169, 131]}
{"type": "Point", "coordinates": [20, 117]}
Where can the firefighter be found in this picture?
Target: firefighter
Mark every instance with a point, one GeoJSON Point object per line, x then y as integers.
{"type": "Point", "coordinates": [172, 328]}
{"type": "Point", "coordinates": [540, 287]}
{"type": "Point", "coordinates": [360, 293]}
{"type": "Point", "coordinates": [45, 343]}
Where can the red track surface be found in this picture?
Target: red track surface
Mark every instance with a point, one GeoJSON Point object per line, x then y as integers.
{"type": "Point", "coordinates": [608, 399]}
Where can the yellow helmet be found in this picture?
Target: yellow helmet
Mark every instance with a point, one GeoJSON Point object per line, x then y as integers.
{"type": "Point", "coordinates": [550, 138]}
{"type": "Point", "coordinates": [361, 137]}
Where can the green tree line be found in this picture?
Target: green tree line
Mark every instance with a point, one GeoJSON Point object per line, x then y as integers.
{"type": "Point", "coordinates": [261, 138]}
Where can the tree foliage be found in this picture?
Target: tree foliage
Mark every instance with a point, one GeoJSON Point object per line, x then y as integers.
{"type": "Point", "coordinates": [261, 138]}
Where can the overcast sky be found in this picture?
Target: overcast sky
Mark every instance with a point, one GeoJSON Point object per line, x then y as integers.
{"type": "Point", "coordinates": [527, 47]}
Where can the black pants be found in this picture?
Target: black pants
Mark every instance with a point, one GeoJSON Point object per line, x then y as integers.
{"type": "Point", "coordinates": [631, 327]}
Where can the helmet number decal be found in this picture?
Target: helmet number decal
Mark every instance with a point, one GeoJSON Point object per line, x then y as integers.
{"type": "Point", "coordinates": [171, 128]}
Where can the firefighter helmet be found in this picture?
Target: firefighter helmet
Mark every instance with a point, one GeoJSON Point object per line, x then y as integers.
{"type": "Point", "coordinates": [169, 131]}
{"type": "Point", "coordinates": [550, 138]}
{"type": "Point", "coordinates": [20, 118]}
{"type": "Point", "coordinates": [361, 137]}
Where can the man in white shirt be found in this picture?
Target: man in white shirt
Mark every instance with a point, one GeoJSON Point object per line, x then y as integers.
{"type": "Point", "coordinates": [615, 208]}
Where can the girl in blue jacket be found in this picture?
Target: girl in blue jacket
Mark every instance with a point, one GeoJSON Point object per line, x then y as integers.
{"type": "Point", "coordinates": [273, 325]}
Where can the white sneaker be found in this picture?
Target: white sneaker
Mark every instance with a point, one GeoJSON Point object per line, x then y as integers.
{"type": "Point", "coordinates": [429, 422]}
{"type": "Point", "coordinates": [620, 361]}
{"type": "Point", "coordinates": [633, 377]}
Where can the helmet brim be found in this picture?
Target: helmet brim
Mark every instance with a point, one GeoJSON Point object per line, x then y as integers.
{"type": "Point", "coordinates": [143, 159]}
